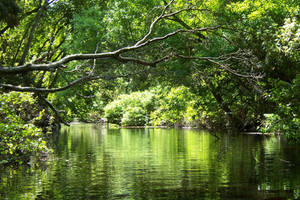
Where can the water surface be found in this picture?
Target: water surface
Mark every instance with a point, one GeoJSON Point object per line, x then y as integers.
{"type": "Point", "coordinates": [91, 162]}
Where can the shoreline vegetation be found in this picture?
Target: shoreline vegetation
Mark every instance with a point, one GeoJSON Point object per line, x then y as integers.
{"type": "Point", "coordinates": [115, 126]}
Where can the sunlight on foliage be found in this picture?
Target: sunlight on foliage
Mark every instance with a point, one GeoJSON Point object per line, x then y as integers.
{"type": "Point", "coordinates": [18, 139]}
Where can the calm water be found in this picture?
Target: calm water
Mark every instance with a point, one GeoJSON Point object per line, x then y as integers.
{"type": "Point", "coordinates": [94, 163]}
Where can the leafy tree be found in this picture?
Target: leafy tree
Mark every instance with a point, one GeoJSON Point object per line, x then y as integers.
{"type": "Point", "coordinates": [133, 109]}
{"type": "Point", "coordinates": [35, 58]}
{"type": "Point", "coordinates": [37, 62]}
{"type": "Point", "coordinates": [175, 107]}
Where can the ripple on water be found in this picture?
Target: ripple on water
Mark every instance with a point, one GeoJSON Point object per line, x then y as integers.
{"type": "Point", "coordinates": [158, 164]}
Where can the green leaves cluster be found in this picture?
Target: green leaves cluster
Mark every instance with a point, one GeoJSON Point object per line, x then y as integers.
{"type": "Point", "coordinates": [158, 106]}
{"type": "Point", "coordinates": [131, 110]}
{"type": "Point", "coordinates": [286, 115]}
{"type": "Point", "coordinates": [19, 138]}
{"type": "Point", "coordinates": [254, 37]}
{"type": "Point", "coordinates": [288, 41]}
{"type": "Point", "coordinates": [176, 107]}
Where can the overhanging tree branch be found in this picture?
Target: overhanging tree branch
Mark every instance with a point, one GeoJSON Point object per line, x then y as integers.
{"type": "Point", "coordinates": [221, 62]}
{"type": "Point", "coordinates": [155, 21]}
{"type": "Point", "coordinates": [45, 90]}
{"type": "Point", "coordinates": [78, 81]}
{"type": "Point", "coordinates": [113, 54]}
{"type": "Point", "coordinates": [116, 54]}
{"type": "Point", "coordinates": [34, 26]}
{"type": "Point", "coordinates": [48, 104]}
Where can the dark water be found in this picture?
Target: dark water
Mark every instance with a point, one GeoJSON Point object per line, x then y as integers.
{"type": "Point", "coordinates": [94, 163]}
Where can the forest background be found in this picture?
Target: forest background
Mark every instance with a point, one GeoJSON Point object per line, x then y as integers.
{"type": "Point", "coordinates": [216, 64]}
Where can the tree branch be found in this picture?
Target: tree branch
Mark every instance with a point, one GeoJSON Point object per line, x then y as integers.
{"type": "Point", "coordinates": [54, 110]}
{"type": "Point", "coordinates": [155, 21]}
{"type": "Point", "coordinates": [143, 62]}
{"type": "Point", "coordinates": [224, 66]}
{"type": "Point", "coordinates": [113, 54]}
{"type": "Point", "coordinates": [71, 84]}
{"type": "Point", "coordinates": [45, 90]}
{"type": "Point", "coordinates": [36, 22]}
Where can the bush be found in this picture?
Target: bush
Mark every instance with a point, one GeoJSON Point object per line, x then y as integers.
{"type": "Point", "coordinates": [114, 112]}
{"type": "Point", "coordinates": [19, 138]}
{"type": "Point", "coordinates": [176, 107]}
{"type": "Point", "coordinates": [122, 110]}
{"type": "Point", "coordinates": [285, 118]}
{"type": "Point", "coordinates": [162, 106]}
{"type": "Point", "coordinates": [135, 116]}
{"type": "Point", "coordinates": [276, 124]}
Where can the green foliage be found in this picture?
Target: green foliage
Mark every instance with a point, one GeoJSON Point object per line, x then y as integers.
{"type": "Point", "coordinates": [114, 112]}
{"type": "Point", "coordinates": [267, 31]}
{"type": "Point", "coordinates": [18, 139]}
{"type": "Point", "coordinates": [288, 126]}
{"type": "Point", "coordinates": [158, 106]}
{"type": "Point", "coordinates": [89, 29]}
{"type": "Point", "coordinates": [133, 109]}
{"type": "Point", "coordinates": [79, 102]}
{"type": "Point", "coordinates": [257, 37]}
{"type": "Point", "coordinates": [286, 115]}
{"type": "Point", "coordinates": [175, 107]}
{"type": "Point", "coordinates": [135, 116]}
{"type": "Point", "coordinates": [288, 41]}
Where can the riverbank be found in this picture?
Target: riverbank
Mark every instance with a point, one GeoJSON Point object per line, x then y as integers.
{"type": "Point", "coordinates": [115, 126]}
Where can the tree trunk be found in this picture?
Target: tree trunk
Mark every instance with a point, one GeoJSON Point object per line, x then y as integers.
{"type": "Point", "coordinates": [235, 123]}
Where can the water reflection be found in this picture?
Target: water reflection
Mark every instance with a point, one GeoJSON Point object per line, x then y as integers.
{"type": "Point", "coordinates": [94, 163]}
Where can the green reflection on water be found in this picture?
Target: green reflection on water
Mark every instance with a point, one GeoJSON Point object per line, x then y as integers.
{"type": "Point", "coordinates": [94, 163]}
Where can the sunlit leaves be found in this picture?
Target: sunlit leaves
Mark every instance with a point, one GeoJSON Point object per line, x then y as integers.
{"type": "Point", "coordinates": [18, 138]}
{"type": "Point", "coordinates": [289, 38]}
{"type": "Point", "coordinates": [133, 109]}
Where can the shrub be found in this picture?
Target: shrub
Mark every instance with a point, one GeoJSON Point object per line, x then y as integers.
{"type": "Point", "coordinates": [135, 116]}
{"type": "Point", "coordinates": [176, 107]}
{"type": "Point", "coordinates": [122, 110]}
{"type": "Point", "coordinates": [19, 138]}
{"type": "Point", "coordinates": [114, 112]}
{"type": "Point", "coordinates": [285, 117]}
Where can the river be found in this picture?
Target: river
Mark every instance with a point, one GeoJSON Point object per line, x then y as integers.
{"type": "Point", "coordinates": [90, 162]}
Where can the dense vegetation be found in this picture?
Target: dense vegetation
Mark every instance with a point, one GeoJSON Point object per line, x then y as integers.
{"type": "Point", "coordinates": [212, 63]}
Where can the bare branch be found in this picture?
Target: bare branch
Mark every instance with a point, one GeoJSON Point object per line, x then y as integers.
{"type": "Point", "coordinates": [71, 84]}
{"type": "Point", "coordinates": [227, 68]}
{"type": "Point", "coordinates": [57, 114]}
{"type": "Point", "coordinates": [113, 54]}
{"type": "Point", "coordinates": [224, 66]}
{"type": "Point", "coordinates": [34, 26]}
{"type": "Point", "coordinates": [176, 32]}
{"type": "Point", "coordinates": [95, 60]}
{"type": "Point", "coordinates": [77, 67]}
{"type": "Point", "coordinates": [161, 16]}
{"type": "Point", "coordinates": [45, 90]}
{"type": "Point", "coordinates": [143, 62]}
